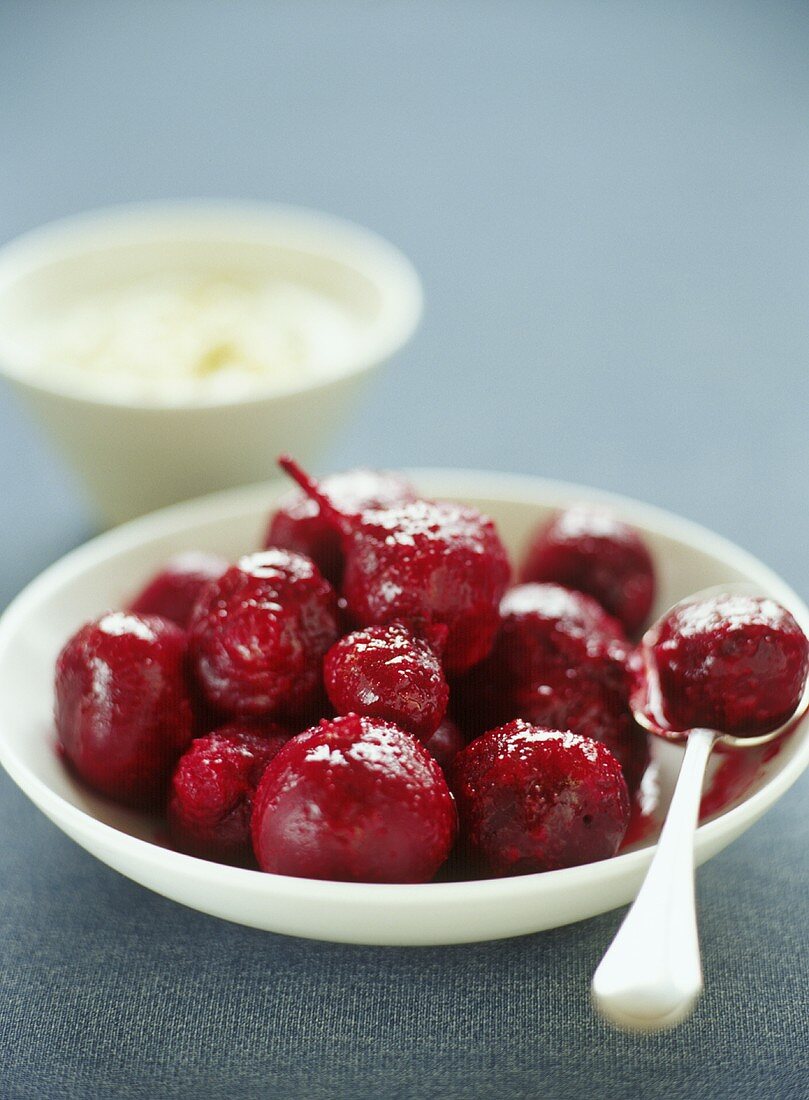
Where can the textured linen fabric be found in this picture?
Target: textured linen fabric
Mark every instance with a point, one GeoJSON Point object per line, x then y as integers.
{"type": "Point", "coordinates": [608, 204]}
{"type": "Point", "coordinates": [109, 990]}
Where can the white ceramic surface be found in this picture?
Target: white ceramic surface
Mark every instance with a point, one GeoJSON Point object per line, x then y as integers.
{"type": "Point", "coordinates": [186, 448]}
{"type": "Point", "coordinates": [107, 570]}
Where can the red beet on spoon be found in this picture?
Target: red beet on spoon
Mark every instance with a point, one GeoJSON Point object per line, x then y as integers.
{"type": "Point", "coordinates": [730, 668]}
{"type": "Point", "coordinates": [420, 562]}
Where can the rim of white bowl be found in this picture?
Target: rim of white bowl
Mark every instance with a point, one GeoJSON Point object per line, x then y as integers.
{"type": "Point", "coordinates": [307, 231]}
{"type": "Point", "coordinates": [481, 485]}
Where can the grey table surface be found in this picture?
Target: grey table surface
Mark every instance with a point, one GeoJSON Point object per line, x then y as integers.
{"type": "Point", "coordinates": [608, 204]}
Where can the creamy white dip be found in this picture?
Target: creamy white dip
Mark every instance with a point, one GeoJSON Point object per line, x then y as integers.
{"type": "Point", "coordinates": [174, 337]}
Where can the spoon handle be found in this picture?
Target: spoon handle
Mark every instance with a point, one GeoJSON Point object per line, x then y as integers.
{"type": "Point", "coordinates": [651, 975]}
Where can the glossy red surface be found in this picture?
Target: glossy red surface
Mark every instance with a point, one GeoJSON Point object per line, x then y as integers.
{"type": "Point", "coordinates": [545, 627]}
{"type": "Point", "coordinates": [122, 711]}
{"type": "Point", "coordinates": [211, 794]}
{"type": "Point", "coordinates": [298, 525]}
{"type": "Point", "coordinates": [175, 589]}
{"type": "Point", "coordinates": [259, 634]}
{"type": "Point", "coordinates": [734, 663]}
{"type": "Point", "coordinates": [592, 711]}
{"type": "Point", "coordinates": [445, 744]}
{"type": "Point", "coordinates": [594, 552]}
{"type": "Point", "coordinates": [422, 562]}
{"type": "Point", "coordinates": [532, 799]}
{"type": "Point", "coordinates": [391, 673]}
{"type": "Point", "coordinates": [357, 800]}
{"type": "Point", "coordinates": [559, 661]}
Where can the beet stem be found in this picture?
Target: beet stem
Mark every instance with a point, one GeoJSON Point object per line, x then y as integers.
{"type": "Point", "coordinates": [312, 489]}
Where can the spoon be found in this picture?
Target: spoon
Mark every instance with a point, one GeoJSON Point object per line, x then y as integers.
{"type": "Point", "coordinates": [651, 976]}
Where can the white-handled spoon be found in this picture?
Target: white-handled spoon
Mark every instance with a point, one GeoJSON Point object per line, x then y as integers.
{"type": "Point", "coordinates": [651, 976]}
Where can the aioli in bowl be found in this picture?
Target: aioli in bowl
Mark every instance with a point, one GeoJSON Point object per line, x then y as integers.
{"type": "Point", "coordinates": [175, 336]}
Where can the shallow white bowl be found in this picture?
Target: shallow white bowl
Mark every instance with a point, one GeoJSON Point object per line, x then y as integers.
{"type": "Point", "coordinates": [181, 447]}
{"type": "Point", "coordinates": [106, 571]}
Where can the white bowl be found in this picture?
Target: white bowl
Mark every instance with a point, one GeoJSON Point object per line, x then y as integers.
{"type": "Point", "coordinates": [183, 447]}
{"type": "Point", "coordinates": [107, 570]}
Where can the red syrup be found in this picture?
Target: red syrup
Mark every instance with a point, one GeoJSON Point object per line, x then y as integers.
{"type": "Point", "coordinates": [642, 827]}
{"type": "Point", "coordinates": [162, 838]}
{"type": "Point", "coordinates": [734, 775]}
{"type": "Point", "coordinates": [645, 816]}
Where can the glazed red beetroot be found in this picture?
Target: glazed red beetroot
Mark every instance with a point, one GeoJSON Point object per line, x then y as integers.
{"type": "Point", "coordinates": [550, 640]}
{"type": "Point", "coordinates": [734, 663]}
{"type": "Point", "coordinates": [354, 800]}
{"type": "Point", "coordinates": [560, 662]}
{"type": "Point", "coordinates": [545, 626]}
{"type": "Point", "coordinates": [212, 789]}
{"type": "Point", "coordinates": [421, 562]}
{"type": "Point", "coordinates": [388, 672]}
{"type": "Point", "coordinates": [590, 550]}
{"type": "Point", "coordinates": [588, 709]}
{"type": "Point", "coordinates": [532, 799]}
{"type": "Point", "coordinates": [175, 589]}
{"type": "Point", "coordinates": [258, 635]}
{"type": "Point", "coordinates": [298, 525]}
{"type": "Point", "coordinates": [122, 711]}
{"type": "Point", "coordinates": [445, 744]}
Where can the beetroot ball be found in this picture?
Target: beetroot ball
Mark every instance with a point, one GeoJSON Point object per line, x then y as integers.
{"type": "Point", "coordinates": [174, 591]}
{"type": "Point", "coordinates": [533, 799]}
{"type": "Point", "coordinates": [545, 627]}
{"type": "Point", "coordinates": [298, 525]}
{"type": "Point", "coordinates": [550, 640]}
{"type": "Point", "coordinates": [590, 550]}
{"type": "Point", "coordinates": [258, 635]}
{"type": "Point", "coordinates": [213, 786]}
{"type": "Point", "coordinates": [559, 662]}
{"type": "Point", "coordinates": [588, 709]}
{"type": "Point", "coordinates": [428, 563]}
{"type": "Point", "coordinates": [353, 800]}
{"type": "Point", "coordinates": [733, 663]}
{"type": "Point", "coordinates": [445, 744]}
{"type": "Point", "coordinates": [388, 672]}
{"type": "Point", "coordinates": [421, 562]}
{"type": "Point", "coordinates": [122, 712]}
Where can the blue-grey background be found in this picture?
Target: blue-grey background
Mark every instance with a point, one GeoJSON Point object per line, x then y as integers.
{"type": "Point", "coordinates": [608, 204]}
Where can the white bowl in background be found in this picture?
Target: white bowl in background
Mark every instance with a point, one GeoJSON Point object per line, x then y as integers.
{"type": "Point", "coordinates": [107, 571]}
{"type": "Point", "coordinates": [136, 452]}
